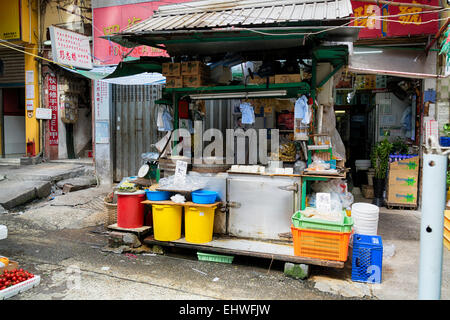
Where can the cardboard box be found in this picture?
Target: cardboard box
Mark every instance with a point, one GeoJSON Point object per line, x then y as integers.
{"type": "Point", "coordinates": [402, 195]}
{"type": "Point", "coordinates": [193, 68]}
{"type": "Point", "coordinates": [194, 81]}
{"type": "Point", "coordinates": [403, 178]}
{"type": "Point", "coordinates": [171, 69]}
{"type": "Point", "coordinates": [259, 80]}
{"type": "Point", "coordinates": [174, 82]}
{"type": "Point", "coordinates": [287, 78]}
{"type": "Point", "coordinates": [11, 266]}
{"type": "Point", "coordinates": [410, 165]}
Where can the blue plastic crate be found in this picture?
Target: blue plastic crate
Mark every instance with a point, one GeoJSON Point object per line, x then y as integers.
{"type": "Point", "coordinates": [367, 258]}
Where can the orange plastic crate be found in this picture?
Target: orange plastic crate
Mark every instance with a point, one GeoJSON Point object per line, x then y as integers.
{"type": "Point", "coordinates": [320, 244]}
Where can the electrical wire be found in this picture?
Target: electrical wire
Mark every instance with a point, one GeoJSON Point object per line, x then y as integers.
{"type": "Point", "coordinates": [36, 56]}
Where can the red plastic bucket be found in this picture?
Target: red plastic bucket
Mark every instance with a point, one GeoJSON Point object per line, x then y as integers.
{"type": "Point", "coordinates": [130, 210]}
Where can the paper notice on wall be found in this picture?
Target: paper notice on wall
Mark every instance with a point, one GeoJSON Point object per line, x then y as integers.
{"type": "Point", "coordinates": [29, 91]}
{"type": "Point", "coordinates": [30, 105]}
{"type": "Point", "coordinates": [29, 77]}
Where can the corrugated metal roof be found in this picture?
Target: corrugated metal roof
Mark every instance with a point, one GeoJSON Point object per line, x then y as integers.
{"type": "Point", "coordinates": [242, 13]}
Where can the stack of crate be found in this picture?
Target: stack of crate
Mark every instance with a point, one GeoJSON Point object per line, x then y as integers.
{"type": "Point", "coordinates": [195, 74]}
{"type": "Point", "coordinates": [172, 72]}
{"type": "Point", "coordinates": [188, 74]}
{"type": "Point", "coordinates": [402, 187]}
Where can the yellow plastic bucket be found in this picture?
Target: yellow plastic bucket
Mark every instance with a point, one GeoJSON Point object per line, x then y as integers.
{"type": "Point", "coordinates": [167, 222]}
{"type": "Point", "coordinates": [198, 224]}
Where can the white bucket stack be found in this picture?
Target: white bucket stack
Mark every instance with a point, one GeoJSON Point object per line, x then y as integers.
{"type": "Point", "coordinates": [365, 218]}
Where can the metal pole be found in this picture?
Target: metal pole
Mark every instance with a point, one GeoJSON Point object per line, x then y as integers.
{"type": "Point", "coordinates": [432, 226]}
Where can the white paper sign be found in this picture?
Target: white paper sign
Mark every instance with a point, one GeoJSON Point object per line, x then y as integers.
{"type": "Point", "coordinates": [29, 76]}
{"type": "Point", "coordinates": [29, 88]}
{"type": "Point", "coordinates": [70, 48]}
{"type": "Point", "coordinates": [44, 113]}
{"type": "Point", "coordinates": [30, 105]}
{"type": "Point", "coordinates": [180, 171]}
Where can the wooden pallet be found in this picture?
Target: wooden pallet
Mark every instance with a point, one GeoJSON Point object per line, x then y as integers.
{"type": "Point", "coordinates": [401, 206]}
{"type": "Point", "coordinates": [246, 247]}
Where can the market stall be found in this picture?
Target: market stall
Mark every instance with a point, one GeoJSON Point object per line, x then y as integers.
{"type": "Point", "coordinates": [256, 202]}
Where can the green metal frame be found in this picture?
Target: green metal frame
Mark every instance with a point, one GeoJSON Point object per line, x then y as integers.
{"type": "Point", "coordinates": [306, 188]}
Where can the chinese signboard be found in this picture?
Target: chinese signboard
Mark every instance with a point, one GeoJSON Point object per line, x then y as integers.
{"type": "Point", "coordinates": [114, 19]}
{"type": "Point", "coordinates": [101, 100]}
{"type": "Point", "coordinates": [394, 21]}
{"type": "Point", "coordinates": [52, 88]}
{"type": "Point", "coordinates": [10, 20]}
{"type": "Point", "coordinates": [70, 48]}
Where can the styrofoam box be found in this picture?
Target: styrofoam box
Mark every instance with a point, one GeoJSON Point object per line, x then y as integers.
{"type": "Point", "coordinates": [20, 287]}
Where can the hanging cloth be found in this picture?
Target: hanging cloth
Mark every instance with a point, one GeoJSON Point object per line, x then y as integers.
{"type": "Point", "coordinates": [301, 110]}
{"type": "Point", "coordinates": [167, 120]}
{"type": "Point", "coordinates": [159, 118]}
{"type": "Point", "coordinates": [248, 114]}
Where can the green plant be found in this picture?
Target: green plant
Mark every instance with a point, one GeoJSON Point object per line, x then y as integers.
{"type": "Point", "coordinates": [399, 146]}
{"type": "Point", "coordinates": [380, 157]}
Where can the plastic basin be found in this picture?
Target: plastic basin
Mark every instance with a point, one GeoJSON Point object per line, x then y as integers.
{"type": "Point", "coordinates": [204, 197]}
{"type": "Point", "coordinates": [157, 195]}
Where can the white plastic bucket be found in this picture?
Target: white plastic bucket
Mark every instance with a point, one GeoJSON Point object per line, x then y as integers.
{"type": "Point", "coordinates": [365, 218]}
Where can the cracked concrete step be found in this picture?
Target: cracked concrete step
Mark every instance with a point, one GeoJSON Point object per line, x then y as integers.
{"type": "Point", "coordinates": [50, 173]}
{"type": "Point", "coordinates": [78, 183]}
{"type": "Point", "coordinates": [16, 193]}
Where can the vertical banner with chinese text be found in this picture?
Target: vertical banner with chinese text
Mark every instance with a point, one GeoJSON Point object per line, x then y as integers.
{"type": "Point", "coordinates": [52, 87]}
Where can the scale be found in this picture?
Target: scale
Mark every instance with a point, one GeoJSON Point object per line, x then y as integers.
{"type": "Point", "coordinates": [150, 171]}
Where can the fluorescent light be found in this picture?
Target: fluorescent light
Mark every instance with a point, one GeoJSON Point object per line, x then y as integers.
{"type": "Point", "coordinates": [367, 51]}
{"type": "Point", "coordinates": [339, 111]}
{"type": "Point", "coordinates": [230, 95]}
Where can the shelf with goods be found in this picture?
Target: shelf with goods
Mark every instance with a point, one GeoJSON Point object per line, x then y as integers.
{"type": "Point", "coordinates": [207, 91]}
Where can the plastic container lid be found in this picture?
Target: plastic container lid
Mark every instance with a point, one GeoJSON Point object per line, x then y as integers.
{"type": "Point", "coordinates": [130, 193]}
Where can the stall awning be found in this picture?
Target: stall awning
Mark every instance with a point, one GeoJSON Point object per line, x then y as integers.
{"type": "Point", "coordinates": [215, 27]}
{"type": "Point", "coordinates": [134, 71]}
{"type": "Point", "coordinates": [245, 13]}
{"type": "Point", "coordinates": [398, 62]}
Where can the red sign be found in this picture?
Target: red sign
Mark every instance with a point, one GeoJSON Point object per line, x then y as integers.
{"type": "Point", "coordinates": [381, 21]}
{"type": "Point", "coordinates": [52, 87]}
{"type": "Point", "coordinates": [115, 19]}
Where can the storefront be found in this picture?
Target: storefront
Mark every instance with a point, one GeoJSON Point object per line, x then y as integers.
{"type": "Point", "coordinates": [12, 83]}
{"type": "Point", "coordinates": [19, 74]}
{"type": "Point", "coordinates": [262, 103]}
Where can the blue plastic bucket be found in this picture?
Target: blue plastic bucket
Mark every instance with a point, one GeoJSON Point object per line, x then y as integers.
{"type": "Point", "coordinates": [157, 195]}
{"type": "Point", "coordinates": [204, 197]}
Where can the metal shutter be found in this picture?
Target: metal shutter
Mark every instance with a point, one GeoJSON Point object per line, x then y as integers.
{"type": "Point", "coordinates": [13, 66]}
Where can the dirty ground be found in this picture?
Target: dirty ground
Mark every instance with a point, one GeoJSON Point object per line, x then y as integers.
{"type": "Point", "coordinates": [62, 239]}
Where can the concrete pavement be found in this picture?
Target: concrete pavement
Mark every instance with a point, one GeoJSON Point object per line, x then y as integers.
{"type": "Point", "coordinates": [22, 184]}
{"type": "Point", "coordinates": [64, 237]}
